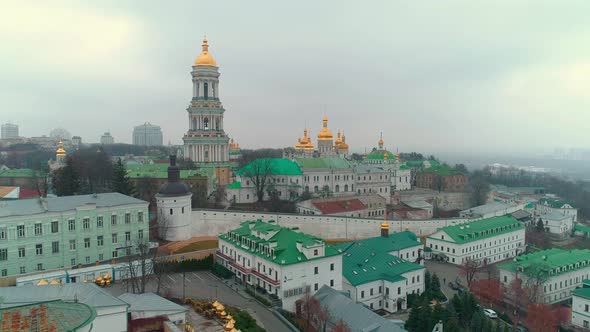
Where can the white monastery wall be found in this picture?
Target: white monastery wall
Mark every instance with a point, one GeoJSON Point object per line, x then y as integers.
{"type": "Point", "coordinates": [215, 222]}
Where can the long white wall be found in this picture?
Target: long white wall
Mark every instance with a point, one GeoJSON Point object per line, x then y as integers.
{"type": "Point", "coordinates": [215, 222]}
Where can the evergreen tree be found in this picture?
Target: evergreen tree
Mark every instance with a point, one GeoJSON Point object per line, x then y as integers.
{"type": "Point", "coordinates": [437, 314]}
{"type": "Point", "coordinates": [452, 325]}
{"type": "Point", "coordinates": [436, 293]}
{"type": "Point", "coordinates": [427, 284]}
{"type": "Point", "coordinates": [66, 181]}
{"type": "Point", "coordinates": [120, 181]}
{"type": "Point", "coordinates": [477, 323]}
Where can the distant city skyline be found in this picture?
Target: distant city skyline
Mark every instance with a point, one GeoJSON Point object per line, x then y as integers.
{"type": "Point", "coordinates": [498, 76]}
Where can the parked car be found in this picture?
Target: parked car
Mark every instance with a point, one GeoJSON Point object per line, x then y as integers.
{"type": "Point", "coordinates": [453, 285]}
{"type": "Point", "coordinates": [490, 313]}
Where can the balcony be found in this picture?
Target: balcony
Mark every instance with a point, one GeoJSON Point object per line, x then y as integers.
{"type": "Point", "coordinates": [244, 270]}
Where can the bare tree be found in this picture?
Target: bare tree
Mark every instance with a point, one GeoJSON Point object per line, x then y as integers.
{"type": "Point", "coordinates": [340, 327]}
{"type": "Point", "coordinates": [40, 182]}
{"type": "Point", "coordinates": [469, 269]}
{"type": "Point", "coordinates": [259, 172]}
{"type": "Point", "coordinates": [536, 276]}
{"type": "Point", "coordinates": [147, 261]}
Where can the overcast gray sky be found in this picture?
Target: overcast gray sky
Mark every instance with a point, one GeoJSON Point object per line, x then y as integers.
{"type": "Point", "coordinates": [432, 75]}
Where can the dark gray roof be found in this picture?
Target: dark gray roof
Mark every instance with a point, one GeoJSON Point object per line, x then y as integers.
{"type": "Point", "coordinates": [86, 293]}
{"type": "Point", "coordinates": [25, 207]}
{"type": "Point", "coordinates": [521, 214]}
{"type": "Point", "coordinates": [150, 302]}
{"type": "Point", "coordinates": [356, 316]}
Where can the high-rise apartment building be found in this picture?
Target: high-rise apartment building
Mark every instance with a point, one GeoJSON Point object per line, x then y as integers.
{"type": "Point", "coordinates": [9, 130]}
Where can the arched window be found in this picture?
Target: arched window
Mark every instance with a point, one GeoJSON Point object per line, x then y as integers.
{"type": "Point", "coordinates": [337, 188]}
{"type": "Point", "coordinates": [206, 90]}
{"type": "Point", "coordinates": [346, 187]}
{"type": "Point", "coordinates": [217, 124]}
{"type": "Point", "coordinates": [206, 123]}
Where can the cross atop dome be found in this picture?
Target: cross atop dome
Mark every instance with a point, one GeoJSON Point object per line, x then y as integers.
{"type": "Point", "coordinates": [205, 58]}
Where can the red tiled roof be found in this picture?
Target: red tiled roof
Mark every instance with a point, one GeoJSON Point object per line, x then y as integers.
{"type": "Point", "coordinates": [353, 204]}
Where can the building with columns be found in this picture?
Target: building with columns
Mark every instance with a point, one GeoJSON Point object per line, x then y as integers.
{"type": "Point", "coordinates": [206, 140]}
{"type": "Point", "coordinates": [400, 173]}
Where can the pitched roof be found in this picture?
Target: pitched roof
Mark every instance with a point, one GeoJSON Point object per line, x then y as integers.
{"type": "Point", "coordinates": [86, 293]}
{"type": "Point", "coordinates": [234, 185]}
{"type": "Point", "coordinates": [369, 260]}
{"type": "Point", "coordinates": [285, 241]}
{"type": "Point", "coordinates": [481, 229]}
{"type": "Point", "coordinates": [489, 208]}
{"type": "Point", "coordinates": [550, 260]}
{"type": "Point", "coordinates": [443, 170]}
{"type": "Point", "coordinates": [521, 214]}
{"type": "Point", "coordinates": [327, 162]}
{"type": "Point", "coordinates": [554, 202]}
{"type": "Point", "coordinates": [33, 206]}
{"type": "Point", "coordinates": [356, 316]}
{"type": "Point", "coordinates": [554, 215]}
{"type": "Point", "coordinates": [338, 206]}
{"type": "Point", "coordinates": [368, 169]}
{"type": "Point", "coordinates": [65, 316]}
{"type": "Point", "coordinates": [582, 292]}
{"type": "Point", "coordinates": [276, 166]}
{"type": "Point", "coordinates": [150, 302]}
{"type": "Point", "coordinates": [579, 227]}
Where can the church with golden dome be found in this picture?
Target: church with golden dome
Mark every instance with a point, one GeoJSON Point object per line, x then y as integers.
{"type": "Point", "coordinates": [206, 140]}
{"type": "Point", "coordinates": [326, 145]}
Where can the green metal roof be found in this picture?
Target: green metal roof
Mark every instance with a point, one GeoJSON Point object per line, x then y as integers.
{"type": "Point", "coordinates": [278, 166]}
{"type": "Point", "coordinates": [327, 162]}
{"type": "Point", "coordinates": [443, 170]}
{"type": "Point", "coordinates": [379, 154]}
{"type": "Point", "coordinates": [481, 229]}
{"type": "Point", "coordinates": [415, 163]}
{"type": "Point", "coordinates": [395, 241]}
{"type": "Point", "coordinates": [550, 260]}
{"type": "Point", "coordinates": [234, 185]}
{"type": "Point", "coordinates": [67, 316]}
{"type": "Point", "coordinates": [582, 292]}
{"type": "Point", "coordinates": [555, 203]}
{"type": "Point", "coordinates": [285, 239]}
{"type": "Point", "coordinates": [19, 173]}
{"type": "Point", "coordinates": [404, 167]}
{"type": "Point", "coordinates": [582, 228]}
{"type": "Point", "coordinates": [369, 260]}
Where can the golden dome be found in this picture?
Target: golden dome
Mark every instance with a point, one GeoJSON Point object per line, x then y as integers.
{"type": "Point", "coordinates": [380, 143]}
{"type": "Point", "coordinates": [205, 59]}
{"type": "Point", "coordinates": [60, 149]}
{"type": "Point", "coordinates": [42, 282]}
{"type": "Point", "coordinates": [304, 143]}
{"type": "Point", "coordinates": [384, 225]}
{"type": "Point", "coordinates": [325, 134]}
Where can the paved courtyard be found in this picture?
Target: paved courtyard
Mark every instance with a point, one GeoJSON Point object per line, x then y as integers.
{"type": "Point", "coordinates": [204, 285]}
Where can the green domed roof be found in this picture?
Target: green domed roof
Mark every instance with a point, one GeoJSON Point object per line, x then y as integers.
{"type": "Point", "coordinates": [379, 154]}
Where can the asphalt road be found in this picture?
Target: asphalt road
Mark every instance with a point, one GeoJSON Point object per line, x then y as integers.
{"type": "Point", "coordinates": [204, 285]}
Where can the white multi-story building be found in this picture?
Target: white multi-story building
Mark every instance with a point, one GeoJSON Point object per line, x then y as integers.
{"type": "Point", "coordinates": [280, 260]}
{"type": "Point", "coordinates": [557, 223]}
{"type": "Point", "coordinates": [400, 174]}
{"type": "Point", "coordinates": [490, 240]}
{"type": "Point", "coordinates": [372, 180]}
{"type": "Point", "coordinates": [553, 273]}
{"type": "Point", "coordinates": [381, 272]}
{"type": "Point", "coordinates": [9, 131]}
{"type": "Point", "coordinates": [581, 306]}
{"type": "Point", "coordinates": [330, 175]}
{"type": "Point", "coordinates": [107, 139]}
{"type": "Point", "coordinates": [550, 204]}
{"type": "Point", "coordinates": [147, 134]}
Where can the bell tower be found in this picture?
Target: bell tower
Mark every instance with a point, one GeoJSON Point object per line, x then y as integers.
{"type": "Point", "coordinates": [206, 140]}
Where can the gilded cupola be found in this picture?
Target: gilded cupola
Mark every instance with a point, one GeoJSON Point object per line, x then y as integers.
{"type": "Point", "coordinates": [205, 58]}
{"type": "Point", "coordinates": [325, 134]}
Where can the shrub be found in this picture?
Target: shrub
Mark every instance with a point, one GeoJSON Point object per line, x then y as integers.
{"type": "Point", "coordinates": [244, 322]}
{"type": "Point", "coordinates": [260, 298]}
{"type": "Point", "coordinates": [185, 266]}
{"type": "Point", "coordinates": [221, 271]}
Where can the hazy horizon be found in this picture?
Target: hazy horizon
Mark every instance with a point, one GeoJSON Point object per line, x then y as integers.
{"type": "Point", "coordinates": [499, 77]}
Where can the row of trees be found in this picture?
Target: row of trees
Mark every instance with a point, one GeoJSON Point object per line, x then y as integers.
{"type": "Point", "coordinates": [94, 173]}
